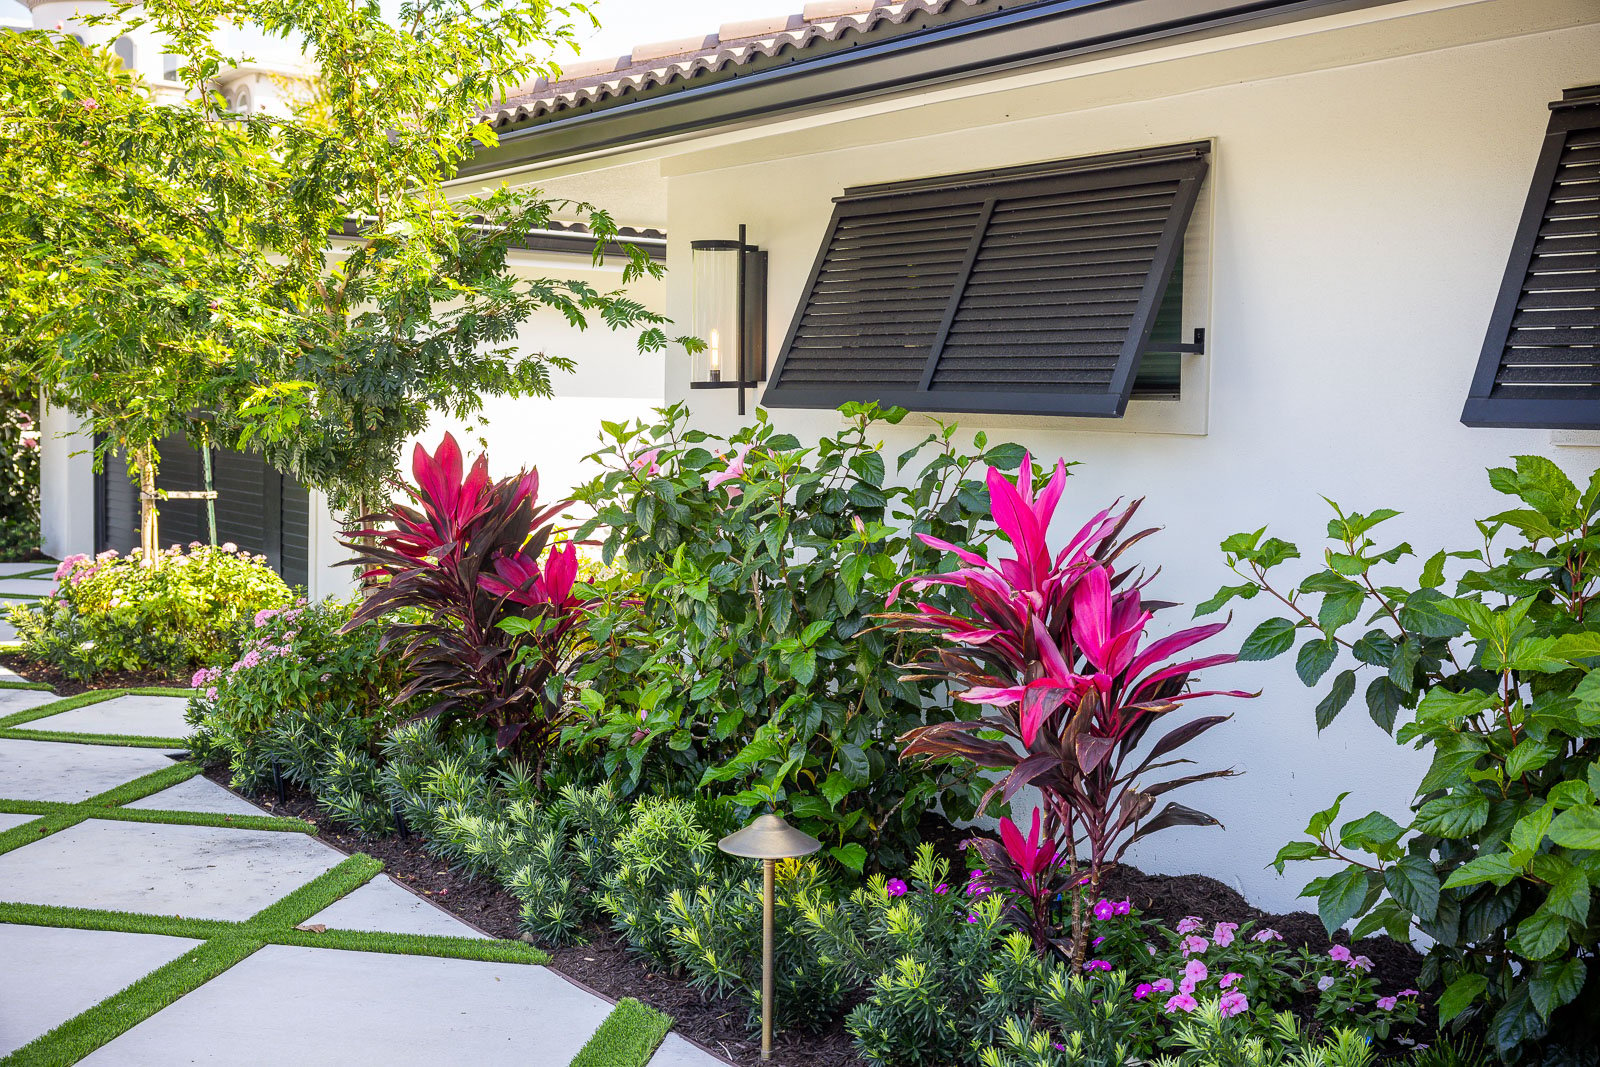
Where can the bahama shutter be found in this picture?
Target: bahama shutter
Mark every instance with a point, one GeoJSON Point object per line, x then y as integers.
{"type": "Point", "coordinates": [1540, 364]}
{"type": "Point", "coordinates": [1032, 290]}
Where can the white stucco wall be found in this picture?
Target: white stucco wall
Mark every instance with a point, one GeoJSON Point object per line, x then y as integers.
{"type": "Point", "coordinates": [1362, 217]}
{"type": "Point", "coordinates": [66, 484]}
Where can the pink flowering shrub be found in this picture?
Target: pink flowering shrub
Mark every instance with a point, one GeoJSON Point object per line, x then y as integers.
{"type": "Point", "coordinates": [192, 607]}
{"type": "Point", "coordinates": [299, 689]}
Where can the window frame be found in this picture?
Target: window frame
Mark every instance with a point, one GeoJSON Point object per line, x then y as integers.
{"type": "Point", "coordinates": [1187, 163]}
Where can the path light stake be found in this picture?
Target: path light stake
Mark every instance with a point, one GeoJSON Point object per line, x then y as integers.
{"type": "Point", "coordinates": [768, 839]}
{"type": "Point", "coordinates": [277, 784]}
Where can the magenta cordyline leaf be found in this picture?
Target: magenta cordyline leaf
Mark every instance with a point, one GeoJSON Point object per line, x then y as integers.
{"type": "Point", "coordinates": [1031, 857]}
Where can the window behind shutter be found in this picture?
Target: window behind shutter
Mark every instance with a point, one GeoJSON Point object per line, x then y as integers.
{"type": "Point", "coordinates": [1030, 290]}
{"type": "Point", "coordinates": [1540, 364]}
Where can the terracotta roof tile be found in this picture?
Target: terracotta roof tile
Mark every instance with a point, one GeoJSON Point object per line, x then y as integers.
{"type": "Point", "coordinates": [665, 65]}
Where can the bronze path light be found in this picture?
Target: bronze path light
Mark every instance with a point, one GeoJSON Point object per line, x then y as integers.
{"type": "Point", "coordinates": [768, 839]}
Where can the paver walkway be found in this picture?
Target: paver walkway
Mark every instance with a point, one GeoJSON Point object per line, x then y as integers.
{"type": "Point", "coordinates": [23, 582]}
{"type": "Point", "coordinates": [148, 916]}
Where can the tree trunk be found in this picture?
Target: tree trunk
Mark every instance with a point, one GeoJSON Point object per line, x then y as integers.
{"type": "Point", "coordinates": [149, 529]}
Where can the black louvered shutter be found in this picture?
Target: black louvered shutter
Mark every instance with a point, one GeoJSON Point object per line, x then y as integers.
{"type": "Point", "coordinates": [1540, 365]}
{"type": "Point", "coordinates": [1032, 290]}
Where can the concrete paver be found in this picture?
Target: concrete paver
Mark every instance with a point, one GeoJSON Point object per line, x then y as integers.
{"type": "Point", "coordinates": [146, 716]}
{"type": "Point", "coordinates": [28, 587]}
{"type": "Point", "coordinates": [198, 872]}
{"type": "Point", "coordinates": [383, 905]}
{"type": "Point", "coordinates": [676, 1052]}
{"type": "Point", "coordinates": [51, 974]}
{"type": "Point", "coordinates": [7, 821]}
{"type": "Point", "coordinates": [321, 1006]}
{"type": "Point", "coordinates": [15, 700]}
{"type": "Point", "coordinates": [198, 794]}
{"type": "Point", "coordinates": [46, 565]}
{"type": "Point", "coordinates": [66, 772]}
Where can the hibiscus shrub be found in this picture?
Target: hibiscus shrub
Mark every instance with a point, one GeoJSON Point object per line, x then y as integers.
{"type": "Point", "coordinates": [491, 625]}
{"type": "Point", "coordinates": [738, 652]}
{"type": "Point", "coordinates": [1498, 860]}
{"type": "Point", "coordinates": [188, 608]}
{"type": "Point", "coordinates": [1053, 643]}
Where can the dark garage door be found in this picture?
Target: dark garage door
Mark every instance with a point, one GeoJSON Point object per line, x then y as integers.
{"type": "Point", "coordinates": [258, 508]}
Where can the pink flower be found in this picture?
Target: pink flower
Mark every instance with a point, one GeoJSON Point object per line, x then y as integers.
{"type": "Point", "coordinates": [1340, 953]}
{"type": "Point", "coordinates": [88, 103]}
{"type": "Point", "coordinates": [1386, 1003]}
{"type": "Point", "coordinates": [1223, 934]}
{"type": "Point", "coordinates": [1142, 990]}
{"type": "Point", "coordinates": [1096, 942]}
{"type": "Point", "coordinates": [896, 887]}
{"type": "Point", "coordinates": [735, 471]}
{"type": "Point", "coordinates": [211, 694]}
{"type": "Point", "coordinates": [972, 918]}
{"type": "Point", "coordinates": [1193, 943]}
{"type": "Point", "coordinates": [1325, 983]}
{"type": "Point", "coordinates": [941, 889]}
{"type": "Point", "coordinates": [1103, 910]}
{"type": "Point", "coordinates": [1162, 985]}
{"type": "Point", "coordinates": [1232, 1004]}
{"type": "Point", "coordinates": [1123, 906]}
{"type": "Point", "coordinates": [1361, 962]}
{"type": "Point", "coordinates": [646, 461]}
{"type": "Point", "coordinates": [1196, 971]}
{"type": "Point", "coordinates": [1182, 1002]}
{"type": "Point", "coordinates": [1190, 924]}
{"type": "Point", "coordinates": [1266, 935]}
{"type": "Point", "coordinates": [1228, 979]}
{"type": "Point", "coordinates": [1409, 993]}
{"type": "Point", "coordinates": [1097, 965]}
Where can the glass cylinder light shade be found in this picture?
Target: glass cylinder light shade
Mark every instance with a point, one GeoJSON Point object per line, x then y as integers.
{"type": "Point", "coordinates": [716, 310]}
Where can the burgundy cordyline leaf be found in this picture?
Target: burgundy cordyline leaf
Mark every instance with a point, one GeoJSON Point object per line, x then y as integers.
{"type": "Point", "coordinates": [1056, 645]}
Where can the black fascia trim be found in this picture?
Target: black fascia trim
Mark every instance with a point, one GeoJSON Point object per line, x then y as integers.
{"type": "Point", "coordinates": [1029, 35]}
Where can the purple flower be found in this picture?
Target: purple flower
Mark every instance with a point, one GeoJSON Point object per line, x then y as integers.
{"type": "Point", "coordinates": [1268, 934]}
{"type": "Point", "coordinates": [1232, 1004]}
{"type": "Point", "coordinates": [1325, 983]}
{"type": "Point", "coordinates": [1097, 965]}
{"type": "Point", "coordinates": [972, 918]}
{"type": "Point", "coordinates": [1142, 990]}
{"type": "Point", "coordinates": [1361, 962]}
{"type": "Point", "coordinates": [1103, 910]}
{"type": "Point", "coordinates": [1123, 906]}
{"type": "Point", "coordinates": [896, 887]}
{"type": "Point", "coordinates": [1096, 942]}
{"type": "Point", "coordinates": [1182, 1002]}
{"type": "Point", "coordinates": [941, 888]}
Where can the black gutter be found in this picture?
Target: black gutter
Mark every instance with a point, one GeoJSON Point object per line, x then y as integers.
{"type": "Point", "coordinates": [1006, 40]}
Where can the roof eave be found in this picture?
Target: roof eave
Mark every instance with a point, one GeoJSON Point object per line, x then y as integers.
{"type": "Point", "coordinates": [985, 44]}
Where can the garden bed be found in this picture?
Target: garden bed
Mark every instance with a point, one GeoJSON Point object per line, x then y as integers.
{"type": "Point", "coordinates": [34, 671]}
{"type": "Point", "coordinates": [606, 965]}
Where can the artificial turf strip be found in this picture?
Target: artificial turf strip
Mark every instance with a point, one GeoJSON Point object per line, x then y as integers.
{"type": "Point", "coordinates": [120, 1012]}
{"type": "Point", "coordinates": [629, 1036]}
{"type": "Point", "coordinates": [115, 740]}
{"type": "Point", "coordinates": [121, 921]}
{"type": "Point", "coordinates": [6, 683]}
{"type": "Point", "coordinates": [457, 948]}
{"type": "Point", "coordinates": [319, 893]}
{"type": "Point", "coordinates": [62, 816]}
{"type": "Point", "coordinates": [29, 832]}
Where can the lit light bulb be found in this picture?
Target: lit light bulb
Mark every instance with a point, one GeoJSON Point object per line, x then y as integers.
{"type": "Point", "coordinates": [716, 358]}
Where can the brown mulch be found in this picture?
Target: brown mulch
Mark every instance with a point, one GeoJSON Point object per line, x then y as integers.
{"type": "Point", "coordinates": [61, 685]}
{"type": "Point", "coordinates": [606, 966]}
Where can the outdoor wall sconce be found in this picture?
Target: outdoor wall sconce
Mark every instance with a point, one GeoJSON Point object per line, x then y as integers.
{"type": "Point", "coordinates": [730, 315]}
{"type": "Point", "coordinates": [768, 839]}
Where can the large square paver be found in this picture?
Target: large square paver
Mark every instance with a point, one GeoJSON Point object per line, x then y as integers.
{"type": "Point", "coordinates": [198, 794]}
{"type": "Point", "coordinates": [385, 906]}
{"type": "Point", "coordinates": [139, 716]}
{"type": "Point", "coordinates": [37, 588]}
{"type": "Point", "coordinates": [8, 633]}
{"type": "Point", "coordinates": [15, 700]}
{"type": "Point", "coordinates": [320, 1006]}
{"type": "Point", "coordinates": [12, 569]}
{"type": "Point", "coordinates": [677, 1052]}
{"type": "Point", "coordinates": [7, 821]}
{"type": "Point", "coordinates": [50, 975]}
{"type": "Point", "coordinates": [198, 872]}
{"type": "Point", "coordinates": [68, 773]}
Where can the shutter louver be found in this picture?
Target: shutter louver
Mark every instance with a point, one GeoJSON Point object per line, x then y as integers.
{"type": "Point", "coordinates": [1540, 364]}
{"type": "Point", "coordinates": [1032, 290]}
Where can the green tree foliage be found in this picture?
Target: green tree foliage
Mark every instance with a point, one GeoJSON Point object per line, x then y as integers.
{"type": "Point", "coordinates": [299, 280]}
{"type": "Point", "coordinates": [1498, 860]}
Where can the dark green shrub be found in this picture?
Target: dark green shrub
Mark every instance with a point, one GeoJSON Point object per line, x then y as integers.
{"type": "Point", "coordinates": [740, 652]}
{"type": "Point", "coordinates": [1498, 860]}
{"type": "Point", "coordinates": [667, 844]}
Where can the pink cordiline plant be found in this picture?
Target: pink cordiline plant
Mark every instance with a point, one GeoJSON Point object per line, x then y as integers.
{"type": "Point", "coordinates": [1053, 646]}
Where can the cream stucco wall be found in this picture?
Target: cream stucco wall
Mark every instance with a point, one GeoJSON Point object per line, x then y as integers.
{"type": "Point", "coordinates": [1362, 216]}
